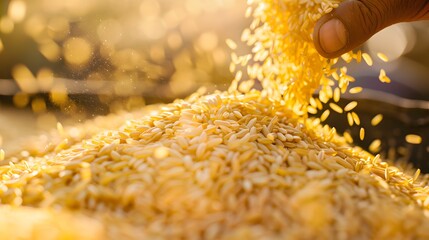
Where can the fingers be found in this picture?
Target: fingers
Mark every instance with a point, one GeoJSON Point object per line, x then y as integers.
{"type": "Point", "coordinates": [355, 21]}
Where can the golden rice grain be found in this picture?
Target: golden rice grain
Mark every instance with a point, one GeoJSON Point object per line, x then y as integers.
{"type": "Point", "coordinates": [231, 44]}
{"type": "Point", "coordinates": [376, 119]}
{"type": "Point", "coordinates": [375, 145]}
{"type": "Point", "coordinates": [416, 175]}
{"type": "Point", "coordinates": [350, 106]}
{"type": "Point", "coordinates": [311, 110]}
{"type": "Point", "coordinates": [238, 76]}
{"type": "Point", "coordinates": [347, 57]}
{"type": "Point", "coordinates": [336, 108]}
{"type": "Point", "coordinates": [382, 57]}
{"type": "Point", "coordinates": [337, 94]}
{"type": "Point", "coordinates": [358, 56]}
{"type": "Point", "coordinates": [413, 139]}
{"type": "Point", "coordinates": [383, 78]}
{"type": "Point", "coordinates": [350, 119]}
{"type": "Point", "coordinates": [367, 58]}
{"type": "Point", "coordinates": [248, 12]}
{"type": "Point", "coordinates": [325, 115]}
{"type": "Point", "coordinates": [313, 102]}
{"type": "Point", "coordinates": [355, 90]}
{"type": "Point", "coordinates": [60, 129]}
{"type": "Point", "coordinates": [356, 118]}
{"type": "Point", "coordinates": [362, 133]}
{"type": "Point", "coordinates": [319, 104]}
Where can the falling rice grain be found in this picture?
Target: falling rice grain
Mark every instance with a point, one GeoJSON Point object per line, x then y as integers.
{"type": "Point", "coordinates": [362, 133]}
{"type": "Point", "coordinates": [382, 57]}
{"type": "Point", "coordinates": [325, 115]}
{"type": "Point", "coordinates": [231, 44]}
{"type": "Point", "coordinates": [377, 119]}
{"type": "Point", "coordinates": [367, 58]}
{"type": "Point", "coordinates": [355, 90]}
{"type": "Point", "coordinates": [374, 147]}
{"type": "Point", "coordinates": [356, 118]}
{"type": "Point", "coordinates": [336, 108]}
{"type": "Point", "coordinates": [350, 106]}
{"type": "Point", "coordinates": [413, 139]}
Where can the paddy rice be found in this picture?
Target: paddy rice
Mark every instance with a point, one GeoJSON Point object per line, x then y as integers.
{"type": "Point", "coordinates": [382, 57]}
{"type": "Point", "coordinates": [325, 115]}
{"type": "Point", "coordinates": [231, 44]}
{"type": "Point", "coordinates": [355, 90]}
{"type": "Point", "coordinates": [376, 119]}
{"type": "Point", "coordinates": [356, 118]}
{"type": "Point", "coordinates": [362, 134]}
{"type": "Point", "coordinates": [350, 106]}
{"type": "Point", "coordinates": [367, 58]}
{"type": "Point", "coordinates": [383, 77]}
{"type": "Point", "coordinates": [375, 145]}
{"type": "Point", "coordinates": [350, 119]}
{"type": "Point", "coordinates": [336, 108]}
{"type": "Point", "coordinates": [190, 161]}
{"type": "Point", "coordinates": [413, 139]}
{"type": "Point", "coordinates": [239, 164]}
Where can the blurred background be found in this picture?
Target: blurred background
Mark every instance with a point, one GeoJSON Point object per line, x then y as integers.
{"type": "Point", "coordinates": [72, 60]}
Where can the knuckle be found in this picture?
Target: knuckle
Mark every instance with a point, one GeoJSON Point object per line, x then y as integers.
{"type": "Point", "coordinates": [416, 9]}
{"type": "Point", "coordinates": [372, 14]}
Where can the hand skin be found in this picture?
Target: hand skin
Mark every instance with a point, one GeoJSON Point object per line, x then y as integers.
{"type": "Point", "coordinates": [355, 21]}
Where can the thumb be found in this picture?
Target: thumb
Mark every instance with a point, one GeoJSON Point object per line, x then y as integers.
{"type": "Point", "coordinates": [355, 21]}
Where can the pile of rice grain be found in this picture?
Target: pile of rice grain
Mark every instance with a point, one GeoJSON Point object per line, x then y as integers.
{"type": "Point", "coordinates": [222, 166]}
{"type": "Point", "coordinates": [229, 165]}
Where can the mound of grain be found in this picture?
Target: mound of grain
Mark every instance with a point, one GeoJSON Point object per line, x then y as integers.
{"type": "Point", "coordinates": [223, 166]}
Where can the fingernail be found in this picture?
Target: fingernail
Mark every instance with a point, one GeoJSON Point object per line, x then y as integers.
{"type": "Point", "coordinates": [332, 36]}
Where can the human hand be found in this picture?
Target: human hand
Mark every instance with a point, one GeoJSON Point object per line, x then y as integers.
{"type": "Point", "coordinates": [355, 21]}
